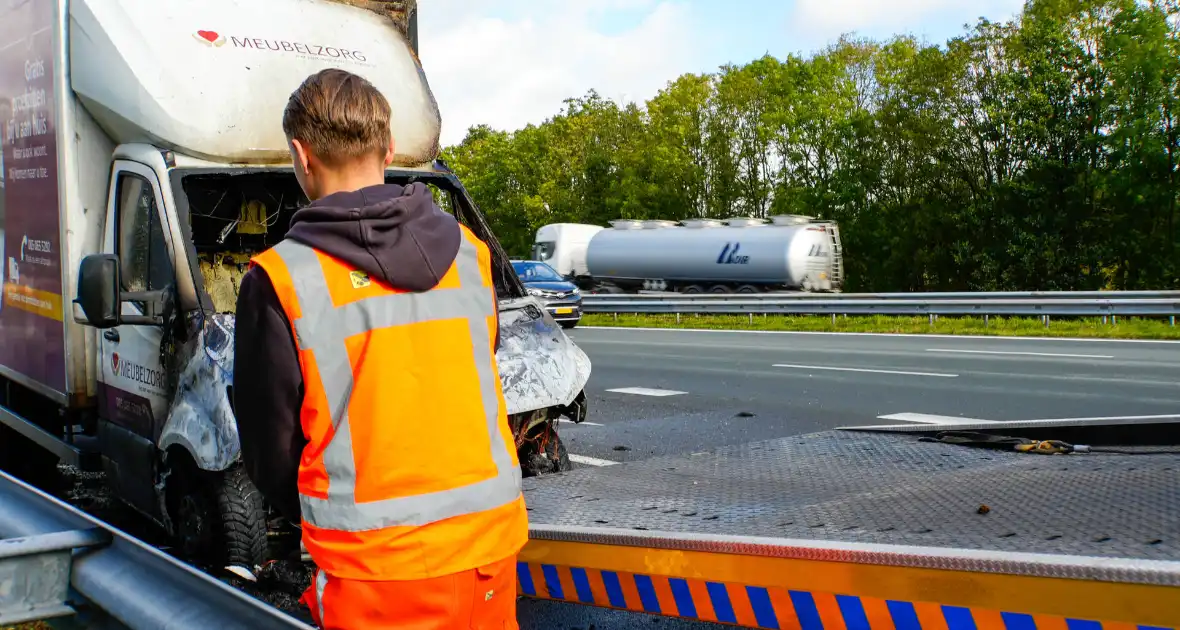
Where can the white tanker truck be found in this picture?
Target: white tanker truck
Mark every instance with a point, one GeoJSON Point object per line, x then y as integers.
{"type": "Point", "coordinates": [741, 254]}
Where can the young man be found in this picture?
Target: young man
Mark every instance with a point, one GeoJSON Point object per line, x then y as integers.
{"type": "Point", "coordinates": [368, 399]}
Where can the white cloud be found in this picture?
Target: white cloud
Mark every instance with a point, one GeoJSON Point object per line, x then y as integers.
{"type": "Point", "coordinates": [508, 63]}
{"type": "Point", "coordinates": [509, 72]}
{"type": "Point", "coordinates": [826, 20]}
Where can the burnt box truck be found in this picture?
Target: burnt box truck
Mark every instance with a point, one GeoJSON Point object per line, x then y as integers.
{"type": "Point", "coordinates": [144, 164]}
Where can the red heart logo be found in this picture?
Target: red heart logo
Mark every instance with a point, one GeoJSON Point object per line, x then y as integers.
{"type": "Point", "coordinates": [115, 362]}
{"type": "Point", "coordinates": [209, 36]}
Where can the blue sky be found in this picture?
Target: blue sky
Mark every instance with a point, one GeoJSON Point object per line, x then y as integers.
{"type": "Point", "coordinates": [508, 63]}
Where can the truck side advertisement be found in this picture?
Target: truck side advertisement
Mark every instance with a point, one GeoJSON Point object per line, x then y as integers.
{"type": "Point", "coordinates": [32, 337]}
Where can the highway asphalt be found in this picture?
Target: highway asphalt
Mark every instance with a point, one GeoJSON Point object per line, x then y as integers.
{"type": "Point", "coordinates": [657, 392]}
{"type": "Point", "coordinates": [661, 392]}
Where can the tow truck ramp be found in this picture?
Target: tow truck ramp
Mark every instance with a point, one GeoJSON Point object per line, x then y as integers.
{"type": "Point", "coordinates": [852, 530]}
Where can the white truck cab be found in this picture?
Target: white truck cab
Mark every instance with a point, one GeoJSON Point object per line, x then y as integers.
{"type": "Point", "coordinates": [563, 247]}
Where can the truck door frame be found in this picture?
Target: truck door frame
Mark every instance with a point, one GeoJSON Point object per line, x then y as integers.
{"type": "Point", "coordinates": [134, 390]}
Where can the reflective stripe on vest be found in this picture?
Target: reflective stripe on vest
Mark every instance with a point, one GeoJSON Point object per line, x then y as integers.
{"type": "Point", "coordinates": [323, 329]}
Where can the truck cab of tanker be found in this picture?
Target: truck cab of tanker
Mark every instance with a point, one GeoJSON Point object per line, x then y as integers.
{"type": "Point", "coordinates": [562, 246]}
{"type": "Point", "coordinates": [169, 168]}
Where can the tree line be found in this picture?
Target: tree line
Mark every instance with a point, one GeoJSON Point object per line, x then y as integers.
{"type": "Point", "coordinates": [1041, 153]}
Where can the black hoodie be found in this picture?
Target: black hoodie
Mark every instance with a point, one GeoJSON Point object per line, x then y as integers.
{"type": "Point", "coordinates": [393, 233]}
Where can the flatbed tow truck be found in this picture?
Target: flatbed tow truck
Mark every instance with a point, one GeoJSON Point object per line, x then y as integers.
{"type": "Point", "coordinates": [876, 528]}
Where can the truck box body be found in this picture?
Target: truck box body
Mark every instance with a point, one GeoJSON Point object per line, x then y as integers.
{"type": "Point", "coordinates": [142, 142]}
{"type": "Point", "coordinates": [210, 79]}
{"type": "Point", "coordinates": [32, 337]}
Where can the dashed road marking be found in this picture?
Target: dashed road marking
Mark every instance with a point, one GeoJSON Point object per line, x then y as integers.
{"type": "Point", "coordinates": [872, 371]}
{"type": "Point", "coordinates": [646, 391]}
{"type": "Point", "coordinates": [1023, 354]}
{"type": "Point", "coordinates": [591, 461]}
{"type": "Point", "coordinates": [586, 424]}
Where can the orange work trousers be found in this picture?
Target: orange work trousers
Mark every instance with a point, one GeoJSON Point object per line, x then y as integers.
{"type": "Point", "coordinates": [482, 598]}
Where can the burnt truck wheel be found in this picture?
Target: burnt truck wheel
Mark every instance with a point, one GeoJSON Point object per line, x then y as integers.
{"type": "Point", "coordinates": [553, 458]}
{"type": "Point", "coordinates": [558, 457]}
{"type": "Point", "coordinates": [220, 519]}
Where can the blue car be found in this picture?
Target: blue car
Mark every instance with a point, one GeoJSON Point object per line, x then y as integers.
{"type": "Point", "coordinates": [560, 297]}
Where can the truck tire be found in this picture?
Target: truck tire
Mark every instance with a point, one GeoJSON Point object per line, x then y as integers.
{"type": "Point", "coordinates": [220, 519]}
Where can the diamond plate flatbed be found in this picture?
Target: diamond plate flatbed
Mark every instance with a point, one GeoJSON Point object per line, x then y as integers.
{"type": "Point", "coordinates": [856, 529]}
{"type": "Point", "coordinates": [885, 489]}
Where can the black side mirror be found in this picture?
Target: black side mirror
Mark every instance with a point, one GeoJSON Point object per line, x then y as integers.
{"type": "Point", "coordinates": [98, 290]}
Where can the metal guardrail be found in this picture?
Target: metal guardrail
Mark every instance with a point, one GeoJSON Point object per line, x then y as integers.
{"type": "Point", "coordinates": [995, 295]}
{"type": "Point", "coordinates": [58, 562]}
{"type": "Point", "coordinates": [1084, 304]}
{"type": "Point", "coordinates": [932, 295]}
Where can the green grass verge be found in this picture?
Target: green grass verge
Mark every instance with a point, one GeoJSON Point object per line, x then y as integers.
{"type": "Point", "coordinates": [1119, 328]}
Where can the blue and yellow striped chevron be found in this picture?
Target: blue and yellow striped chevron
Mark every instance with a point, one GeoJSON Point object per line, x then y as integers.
{"type": "Point", "coordinates": [762, 607]}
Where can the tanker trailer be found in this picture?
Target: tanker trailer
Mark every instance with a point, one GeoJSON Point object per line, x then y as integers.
{"type": "Point", "coordinates": [740, 255]}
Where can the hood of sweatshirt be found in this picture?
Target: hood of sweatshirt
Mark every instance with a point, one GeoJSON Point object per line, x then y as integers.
{"type": "Point", "coordinates": [392, 232]}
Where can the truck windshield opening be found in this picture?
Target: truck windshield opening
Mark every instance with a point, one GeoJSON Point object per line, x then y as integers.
{"type": "Point", "coordinates": [233, 215]}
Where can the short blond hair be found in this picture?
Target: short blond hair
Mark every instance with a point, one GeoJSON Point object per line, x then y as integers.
{"type": "Point", "coordinates": [338, 116]}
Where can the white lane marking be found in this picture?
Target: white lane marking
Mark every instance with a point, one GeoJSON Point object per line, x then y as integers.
{"type": "Point", "coordinates": [848, 369]}
{"type": "Point", "coordinates": [927, 418]}
{"type": "Point", "coordinates": [583, 423]}
{"type": "Point", "coordinates": [646, 391]}
{"type": "Point", "coordinates": [1023, 354]}
{"type": "Point", "coordinates": [591, 461]}
{"type": "Point", "coordinates": [864, 334]}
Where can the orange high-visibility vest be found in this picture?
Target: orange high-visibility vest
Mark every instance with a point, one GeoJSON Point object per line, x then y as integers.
{"type": "Point", "coordinates": [410, 470]}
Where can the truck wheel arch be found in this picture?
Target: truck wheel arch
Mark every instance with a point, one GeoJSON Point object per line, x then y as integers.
{"type": "Point", "coordinates": [201, 417]}
{"type": "Point", "coordinates": [210, 443]}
